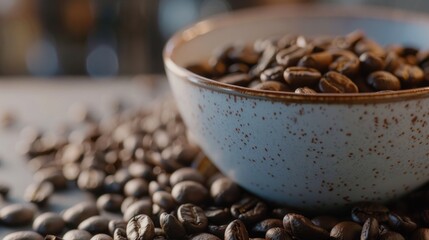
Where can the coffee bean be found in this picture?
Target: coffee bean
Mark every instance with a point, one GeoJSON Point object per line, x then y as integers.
{"type": "Point", "coordinates": [122, 176]}
{"type": "Point", "coordinates": [401, 224]}
{"type": "Point", "coordinates": [319, 61]}
{"type": "Point", "coordinates": [305, 90]}
{"type": "Point", "coordinates": [218, 215]}
{"type": "Point", "coordinates": [291, 55]}
{"type": "Point", "coordinates": [95, 225]}
{"type": "Point", "coordinates": [409, 75]}
{"type": "Point", "coordinates": [74, 215]}
{"type": "Point", "coordinates": [71, 171]}
{"type": "Point", "coordinates": [172, 227]}
{"type": "Point", "coordinates": [420, 234]}
{"type": "Point", "coordinates": [388, 235]}
{"type": "Point", "coordinates": [110, 202]}
{"type": "Point", "coordinates": [204, 236]}
{"type": "Point", "coordinates": [192, 217]}
{"type": "Point", "coordinates": [368, 45]}
{"type": "Point", "coordinates": [249, 210]}
{"type": "Point", "coordinates": [301, 227]}
{"type": "Point", "coordinates": [189, 192]}
{"type": "Point", "coordinates": [362, 211]}
{"type": "Point", "coordinates": [120, 234]}
{"type": "Point", "coordinates": [141, 170]}
{"type": "Point", "coordinates": [382, 80]}
{"type": "Point", "coordinates": [17, 214]}
{"type": "Point", "coordinates": [236, 230]}
{"type": "Point", "coordinates": [239, 79]}
{"type": "Point", "coordinates": [52, 237]}
{"type": "Point", "coordinates": [218, 231]}
{"type": "Point", "coordinates": [101, 237]}
{"type": "Point", "coordinates": [77, 234]}
{"type": "Point", "coordinates": [186, 174]}
{"type": "Point", "coordinates": [333, 82]}
{"type": "Point", "coordinates": [273, 74]}
{"type": "Point", "coordinates": [271, 86]}
{"type": "Point", "coordinates": [143, 206]}
{"type": "Point", "coordinates": [370, 229]}
{"type": "Point", "coordinates": [346, 231]}
{"type": "Point", "coordinates": [268, 56]}
{"type": "Point", "coordinates": [224, 191]}
{"type": "Point", "coordinates": [325, 222]}
{"type": "Point", "coordinates": [52, 175]}
{"type": "Point", "coordinates": [91, 180]}
{"type": "Point", "coordinates": [370, 62]}
{"type": "Point", "coordinates": [23, 235]}
{"type": "Point", "coordinates": [115, 224]}
{"type": "Point", "coordinates": [346, 65]}
{"type": "Point", "coordinates": [260, 228]}
{"type": "Point", "coordinates": [301, 76]}
{"type": "Point", "coordinates": [127, 202]}
{"type": "Point", "coordinates": [277, 233]}
{"type": "Point", "coordinates": [164, 200]}
{"type": "Point", "coordinates": [39, 192]}
{"type": "Point", "coordinates": [238, 68]}
{"type": "Point", "coordinates": [140, 227]}
{"type": "Point", "coordinates": [48, 223]}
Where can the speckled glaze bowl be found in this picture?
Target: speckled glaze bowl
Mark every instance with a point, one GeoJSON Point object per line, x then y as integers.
{"type": "Point", "coordinates": [309, 152]}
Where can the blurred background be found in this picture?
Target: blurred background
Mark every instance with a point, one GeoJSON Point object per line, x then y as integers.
{"type": "Point", "coordinates": [109, 37]}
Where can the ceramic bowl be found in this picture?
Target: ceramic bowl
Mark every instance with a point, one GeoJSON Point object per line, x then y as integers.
{"type": "Point", "coordinates": [308, 152]}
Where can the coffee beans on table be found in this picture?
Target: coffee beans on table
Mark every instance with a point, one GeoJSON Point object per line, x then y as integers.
{"type": "Point", "coordinates": [322, 64]}
{"type": "Point", "coordinates": [143, 174]}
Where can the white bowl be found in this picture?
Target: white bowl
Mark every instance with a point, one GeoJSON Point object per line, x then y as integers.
{"type": "Point", "coordinates": [308, 152]}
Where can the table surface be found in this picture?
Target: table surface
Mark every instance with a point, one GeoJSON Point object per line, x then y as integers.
{"type": "Point", "coordinates": [44, 104]}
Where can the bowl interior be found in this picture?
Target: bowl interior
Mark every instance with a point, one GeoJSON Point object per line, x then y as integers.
{"type": "Point", "coordinates": [383, 25]}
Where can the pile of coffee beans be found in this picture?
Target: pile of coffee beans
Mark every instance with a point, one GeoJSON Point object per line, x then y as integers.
{"type": "Point", "coordinates": [148, 181]}
{"type": "Point", "coordinates": [352, 63]}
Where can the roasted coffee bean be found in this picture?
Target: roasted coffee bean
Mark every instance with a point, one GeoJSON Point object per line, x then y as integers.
{"type": "Point", "coordinates": [39, 192]}
{"type": "Point", "coordinates": [236, 230]}
{"type": "Point", "coordinates": [95, 225]}
{"type": "Point", "coordinates": [154, 187]}
{"type": "Point", "coordinates": [186, 174]}
{"type": "Point", "coordinates": [362, 211]}
{"type": "Point", "coordinates": [77, 234]}
{"type": "Point", "coordinates": [189, 192]}
{"type": "Point", "coordinates": [333, 82]}
{"type": "Point", "coordinates": [420, 234]}
{"type": "Point", "coordinates": [346, 231]}
{"type": "Point", "coordinates": [204, 236]}
{"type": "Point", "coordinates": [382, 80]}
{"type": "Point", "coordinates": [216, 230]}
{"type": "Point", "coordinates": [370, 229]}
{"type": "Point", "coordinates": [291, 55]}
{"type": "Point", "coordinates": [277, 233]}
{"type": "Point", "coordinates": [368, 45]}
{"type": "Point", "coordinates": [4, 190]}
{"type": "Point", "coordinates": [348, 66]}
{"type": "Point", "coordinates": [71, 171]}
{"type": "Point", "coordinates": [401, 224]}
{"type": "Point", "coordinates": [325, 222]}
{"type": "Point", "coordinates": [101, 237]}
{"type": "Point", "coordinates": [268, 56]}
{"type": "Point", "coordinates": [91, 180]}
{"type": "Point", "coordinates": [301, 227]}
{"type": "Point", "coordinates": [172, 227]}
{"type": "Point", "coordinates": [273, 74]}
{"type": "Point", "coordinates": [260, 228]}
{"type": "Point", "coordinates": [301, 76]}
{"type": "Point", "coordinates": [115, 224]}
{"type": "Point", "coordinates": [48, 223]}
{"type": "Point", "coordinates": [218, 215]}
{"type": "Point", "coordinates": [238, 68]}
{"type": "Point", "coordinates": [319, 61]}
{"type": "Point", "coordinates": [140, 227]}
{"type": "Point", "coordinates": [164, 200]}
{"type": "Point", "coordinates": [136, 187]}
{"type": "Point", "coordinates": [224, 191]}
{"type": "Point", "coordinates": [110, 202]}
{"type": "Point", "coordinates": [192, 217]}
{"type": "Point", "coordinates": [369, 62]}
{"type": "Point", "coordinates": [52, 175]}
{"type": "Point", "coordinates": [409, 75]}
{"type": "Point", "coordinates": [52, 237]}
{"type": "Point", "coordinates": [74, 215]}
{"type": "Point", "coordinates": [122, 176]}
{"type": "Point", "coordinates": [23, 235]}
{"type": "Point", "coordinates": [249, 210]}
{"type": "Point", "coordinates": [127, 202]}
{"type": "Point", "coordinates": [17, 214]}
{"type": "Point", "coordinates": [279, 213]}
{"type": "Point", "coordinates": [141, 170]}
{"type": "Point", "coordinates": [389, 235]}
{"type": "Point", "coordinates": [120, 234]}
{"type": "Point", "coordinates": [272, 86]}
{"type": "Point", "coordinates": [143, 206]}
{"type": "Point", "coordinates": [239, 79]}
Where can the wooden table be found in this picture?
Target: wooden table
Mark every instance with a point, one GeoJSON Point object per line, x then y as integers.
{"type": "Point", "coordinates": [44, 103]}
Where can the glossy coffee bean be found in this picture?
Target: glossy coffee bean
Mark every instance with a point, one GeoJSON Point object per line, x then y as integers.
{"type": "Point", "coordinates": [236, 230]}
{"type": "Point", "coordinates": [277, 233]}
{"type": "Point", "coordinates": [325, 222]}
{"type": "Point", "coordinates": [52, 175]}
{"type": "Point", "coordinates": [204, 236]}
{"type": "Point", "coordinates": [218, 215]}
{"type": "Point", "coordinates": [120, 234]}
{"type": "Point", "coordinates": [192, 218]}
{"type": "Point", "coordinates": [290, 56]}
{"type": "Point", "coordinates": [382, 80]}
{"type": "Point", "coordinates": [224, 191]}
{"type": "Point", "coordinates": [189, 192]}
{"type": "Point", "coordinates": [39, 193]}
{"type": "Point", "coordinates": [101, 237]}
{"type": "Point", "coordinates": [301, 227]}
{"type": "Point", "coordinates": [271, 86]}
{"type": "Point", "coordinates": [216, 230]}
{"type": "Point", "coordinates": [48, 223]}
{"type": "Point", "coordinates": [164, 200]}
{"type": "Point", "coordinates": [127, 202]}
{"type": "Point", "coordinates": [369, 62]}
{"type": "Point", "coordinates": [273, 74]}
{"type": "Point", "coordinates": [260, 228]}
{"type": "Point", "coordinates": [115, 224]}
{"type": "Point", "coordinates": [346, 231]}
{"type": "Point", "coordinates": [305, 90]}
{"type": "Point", "coordinates": [74, 215]}
{"type": "Point", "coordinates": [95, 225]}
{"type": "Point", "coordinates": [17, 214]}
{"type": "Point", "coordinates": [362, 211]}
{"type": "Point", "coordinates": [401, 224]}
{"type": "Point", "coordinates": [23, 235]}
{"type": "Point", "coordinates": [409, 75]}
{"type": "Point", "coordinates": [249, 210]}
{"type": "Point", "coordinates": [370, 230]}
{"type": "Point", "coordinates": [172, 227]}
{"type": "Point", "coordinates": [348, 66]}
{"type": "Point", "coordinates": [136, 187]}
{"type": "Point", "coordinates": [143, 206]}
{"type": "Point", "coordinates": [319, 61]}
{"type": "Point", "coordinates": [239, 79]}
{"type": "Point", "coordinates": [140, 227]}
{"type": "Point", "coordinates": [141, 170]}
{"type": "Point", "coordinates": [267, 57]}
{"type": "Point", "coordinates": [91, 180]}
{"type": "Point", "coordinates": [334, 82]}
{"type": "Point", "coordinates": [186, 174]}
{"type": "Point", "coordinates": [110, 202]}
{"type": "Point", "coordinates": [301, 76]}
{"type": "Point", "coordinates": [77, 234]}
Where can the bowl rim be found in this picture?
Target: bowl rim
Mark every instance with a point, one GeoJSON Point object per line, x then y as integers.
{"type": "Point", "coordinates": [292, 10]}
